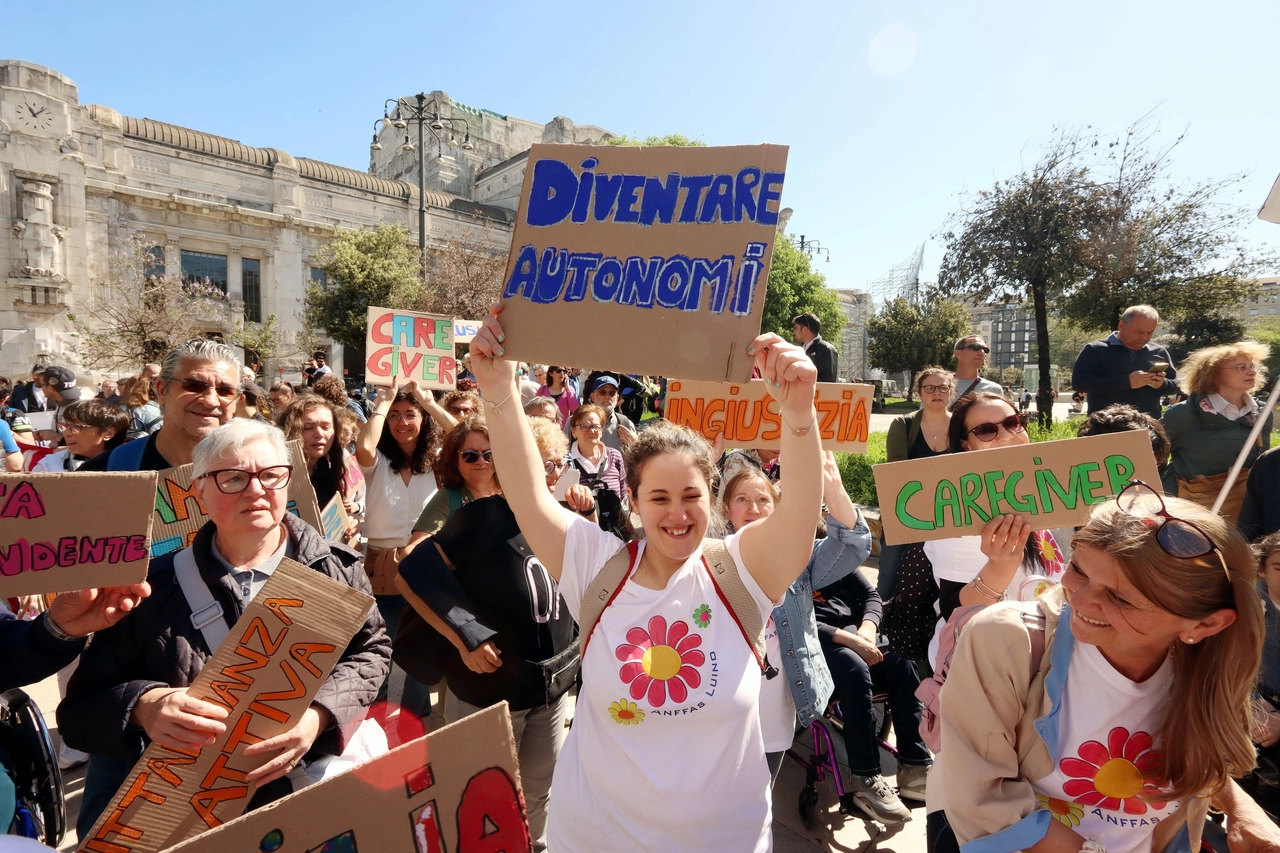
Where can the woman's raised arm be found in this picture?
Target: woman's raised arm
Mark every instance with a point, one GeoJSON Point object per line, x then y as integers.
{"type": "Point", "coordinates": [515, 455]}
{"type": "Point", "coordinates": [371, 430]}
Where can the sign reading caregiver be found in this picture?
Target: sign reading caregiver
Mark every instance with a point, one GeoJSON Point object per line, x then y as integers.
{"type": "Point", "coordinates": [1051, 484]}
{"type": "Point", "coordinates": [747, 416]}
{"type": "Point", "coordinates": [265, 674]}
{"type": "Point", "coordinates": [660, 254]}
{"type": "Point", "coordinates": [407, 345]}
{"type": "Point", "coordinates": [60, 532]}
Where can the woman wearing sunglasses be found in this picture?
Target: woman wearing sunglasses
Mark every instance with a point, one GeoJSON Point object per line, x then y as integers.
{"type": "Point", "coordinates": [131, 685]}
{"type": "Point", "coordinates": [1207, 431]}
{"type": "Point", "coordinates": [1002, 561]}
{"type": "Point", "coordinates": [465, 473]}
{"type": "Point", "coordinates": [1138, 714]}
{"type": "Point", "coordinates": [557, 388]}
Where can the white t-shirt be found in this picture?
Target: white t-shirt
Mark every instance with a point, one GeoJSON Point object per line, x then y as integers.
{"type": "Point", "coordinates": [777, 708]}
{"type": "Point", "coordinates": [1105, 733]}
{"type": "Point", "coordinates": [391, 507]}
{"type": "Point", "coordinates": [961, 560]}
{"type": "Point", "coordinates": [665, 752]}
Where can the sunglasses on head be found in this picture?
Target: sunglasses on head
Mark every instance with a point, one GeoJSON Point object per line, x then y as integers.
{"type": "Point", "coordinates": [975, 348]}
{"type": "Point", "coordinates": [471, 457]}
{"type": "Point", "coordinates": [988, 432]}
{"type": "Point", "coordinates": [199, 387]}
{"type": "Point", "coordinates": [1177, 538]}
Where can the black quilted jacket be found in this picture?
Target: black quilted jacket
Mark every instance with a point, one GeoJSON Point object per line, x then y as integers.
{"type": "Point", "coordinates": [157, 646]}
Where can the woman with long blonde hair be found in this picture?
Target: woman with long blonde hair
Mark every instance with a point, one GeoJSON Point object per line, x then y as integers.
{"type": "Point", "coordinates": [1207, 431]}
{"type": "Point", "coordinates": [1136, 717]}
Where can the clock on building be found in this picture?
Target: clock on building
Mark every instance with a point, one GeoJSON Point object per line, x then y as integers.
{"type": "Point", "coordinates": [35, 115]}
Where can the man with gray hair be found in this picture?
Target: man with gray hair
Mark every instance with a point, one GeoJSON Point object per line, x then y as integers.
{"type": "Point", "coordinates": [1125, 367]}
{"type": "Point", "coordinates": [197, 389]}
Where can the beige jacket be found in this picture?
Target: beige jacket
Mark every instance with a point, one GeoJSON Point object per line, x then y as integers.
{"type": "Point", "coordinates": [998, 722]}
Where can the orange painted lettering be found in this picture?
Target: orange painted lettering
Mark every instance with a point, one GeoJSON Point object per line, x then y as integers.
{"type": "Point", "coordinates": [276, 606]}
{"type": "Point", "coordinates": [302, 652]}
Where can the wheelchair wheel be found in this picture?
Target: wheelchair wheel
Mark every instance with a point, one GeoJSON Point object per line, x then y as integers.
{"type": "Point", "coordinates": [809, 806]}
{"type": "Point", "coordinates": [35, 767]}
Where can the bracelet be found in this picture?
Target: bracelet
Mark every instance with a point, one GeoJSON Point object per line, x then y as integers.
{"type": "Point", "coordinates": [496, 410]}
{"type": "Point", "coordinates": [985, 591]}
{"type": "Point", "coordinates": [800, 432]}
{"type": "Point", "coordinates": [57, 632]}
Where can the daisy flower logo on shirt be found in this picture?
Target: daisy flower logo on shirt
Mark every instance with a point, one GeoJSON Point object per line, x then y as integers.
{"type": "Point", "coordinates": [658, 662]}
{"type": "Point", "coordinates": [626, 713]}
{"type": "Point", "coordinates": [1112, 776]}
{"type": "Point", "coordinates": [702, 615]}
{"type": "Point", "coordinates": [1069, 813]}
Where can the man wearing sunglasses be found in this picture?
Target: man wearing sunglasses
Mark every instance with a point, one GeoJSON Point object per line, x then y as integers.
{"type": "Point", "coordinates": [971, 354]}
{"type": "Point", "coordinates": [1121, 368]}
{"type": "Point", "coordinates": [198, 387]}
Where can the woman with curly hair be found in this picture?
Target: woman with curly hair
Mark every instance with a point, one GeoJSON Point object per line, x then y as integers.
{"type": "Point", "coordinates": [1207, 431]}
{"type": "Point", "coordinates": [313, 421]}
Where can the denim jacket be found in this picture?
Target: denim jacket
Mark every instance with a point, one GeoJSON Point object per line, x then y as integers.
{"type": "Point", "coordinates": [802, 662]}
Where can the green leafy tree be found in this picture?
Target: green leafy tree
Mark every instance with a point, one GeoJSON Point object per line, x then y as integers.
{"type": "Point", "coordinates": [1268, 332]}
{"type": "Point", "coordinates": [362, 268]}
{"type": "Point", "coordinates": [1012, 377]}
{"type": "Point", "coordinates": [794, 288]}
{"type": "Point", "coordinates": [268, 341]}
{"type": "Point", "coordinates": [678, 140]}
{"type": "Point", "coordinates": [1021, 241]}
{"type": "Point", "coordinates": [1203, 330]}
{"type": "Point", "coordinates": [907, 337]}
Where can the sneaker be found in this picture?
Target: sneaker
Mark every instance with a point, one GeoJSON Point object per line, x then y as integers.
{"type": "Point", "coordinates": [874, 796]}
{"type": "Point", "coordinates": [911, 781]}
{"type": "Point", "coordinates": [68, 757]}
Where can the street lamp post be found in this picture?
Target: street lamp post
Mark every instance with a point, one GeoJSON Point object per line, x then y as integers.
{"type": "Point", "coordinates": [399, 116]}
{"type": "Point", "coordinates": [811, 247]}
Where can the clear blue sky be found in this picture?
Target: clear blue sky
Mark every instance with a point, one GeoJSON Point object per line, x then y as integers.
{"type": "Point", "coordinates": [892, 110]}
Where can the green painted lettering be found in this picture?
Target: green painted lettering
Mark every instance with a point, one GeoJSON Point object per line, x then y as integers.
{"type": "Point", "coordinates": [994, 493]}
{"type": "Point", "coordinates": [946, 497]}
{"type": "Point", "coordinates": [1019, 503]}
{"type": "Point", "coordinates": [970, 491]}
{"type": "Point", "coordinates": [1086, 484]}
{"type": "Point", "coordinates": [1119, 472]}
{"type": "Point", "coordinates": [904, 517]}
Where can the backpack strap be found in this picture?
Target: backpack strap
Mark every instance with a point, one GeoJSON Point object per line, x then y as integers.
{"type": "Point", "coordinates": [735, 596]}
{"type": "Point", "coordinates": [206, 613]}
{"type": "Point", "coordinates": [603, 589]}
{"type": "Point", "coordinates": [128, 456]}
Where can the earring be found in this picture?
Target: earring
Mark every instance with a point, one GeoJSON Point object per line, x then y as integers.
{"type": "Point", "coordinates": [1189, 640]}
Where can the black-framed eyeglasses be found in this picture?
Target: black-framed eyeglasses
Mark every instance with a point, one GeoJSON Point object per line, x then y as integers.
{"type": "Point", "coordinates": [974, 348]}
{"type": "Point", "coordinates": [552, 466]}
{"type": "Point", "coordinates": [933, 389]}
{"type": "Point", "coordinates": [192, 385]}
{"type": "Point", "coordinates": [987, 432]}
{"type": "Point", "coordinates": [471, 457]}
{"type": "Point", "coordinates": [591, 428]}
{"type": "Point", "coordinates": [1177, 537]}
{"type": "Point", "coordinates": [232, 481]}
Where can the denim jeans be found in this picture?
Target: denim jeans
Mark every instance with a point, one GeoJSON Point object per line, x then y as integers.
{"type": "Point", "coordinates": [856, 683]}
{"type": "Point", "coordinates": [417, 696]}
{"type": "Point", "coordinates": [104, 777]}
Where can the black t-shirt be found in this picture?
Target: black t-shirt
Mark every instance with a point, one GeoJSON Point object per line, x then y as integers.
{"type": "Point", "coordinates": [920, 449]}
{"type": "Point", "coordinates": [506, 589]}
{"type": "Point", "coordinates": [151, 458]}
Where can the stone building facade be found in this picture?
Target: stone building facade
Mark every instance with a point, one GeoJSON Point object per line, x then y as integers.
{"type": "Point", "coordinates": [77, 181]}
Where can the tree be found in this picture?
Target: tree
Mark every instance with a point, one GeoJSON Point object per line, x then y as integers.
{"type": "Point", "coordinates": [267, 341]}
{"type": "Point", "coordinates": [1066, 339]}
{"type": "Point", "coordinates": [362, 268]}
{"type": "Point", "coordinates": [136, 313]}
{"type": "Point", "coordinates": [678, 140]}
{"type": "Point", "coordinates": [1268, 332]}
{"type": "Point", "coordinates": [907, 337]}
{"type": "Point", "coordinates": [794, 288]}
{"type": "Point", "coordinates": [1022, 239]}
{"type": "Point", "coordinates": [464, 276]}
{"type": "Point", "coordinates": [1156, 241]}
{"type": "Point", "coordinates": [1012, 377]}
{"type": "Point", "coordinates": [1203, 330]}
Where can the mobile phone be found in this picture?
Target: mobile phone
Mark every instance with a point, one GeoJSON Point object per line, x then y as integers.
{"type": "Point", "coordinates": [1158, 367]}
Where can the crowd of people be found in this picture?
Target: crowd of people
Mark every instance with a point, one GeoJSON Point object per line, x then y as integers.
{"type": "Point", "coordinates": [541, 536]}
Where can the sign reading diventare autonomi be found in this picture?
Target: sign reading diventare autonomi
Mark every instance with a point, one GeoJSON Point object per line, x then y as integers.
{"type": "Point", "coordinates": [653, 260]}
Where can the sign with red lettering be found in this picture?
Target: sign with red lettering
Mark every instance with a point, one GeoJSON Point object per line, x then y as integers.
{"type": "Point", "coordinates": [747, 416]}
{"type": "Point", "coordinates": [180, 515]}
{"type": "Point", "coordinates": [60, 532]}
{"type": "Point", "coordinates": [650, 260]}
{"type": "Point", "coordinates": [457, 789]}
{"type": "Point", "coordinates": [404, 345]}
{"type": "Point", "coordinates": [265, 674]}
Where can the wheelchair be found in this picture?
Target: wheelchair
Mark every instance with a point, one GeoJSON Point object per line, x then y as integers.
{"type": "Point", "coordinates": [41, 811]}
{"type": "Point", "coordinates": [822, 760]}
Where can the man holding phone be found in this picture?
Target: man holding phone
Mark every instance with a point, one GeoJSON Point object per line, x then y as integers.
{"type": "Point", "coordinates": [1126, 367]}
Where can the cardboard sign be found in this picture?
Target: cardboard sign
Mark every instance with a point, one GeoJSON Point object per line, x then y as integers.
{"type": "Point", "coordinates": [656, 257]}
{"type": "Point", "coordinates": [60, 532]}
{"type": "Point", "coordinates": [265, 673]}
{"type": "Point", "coordinates": [1050, 484]}
{"type": "Point", "coordinates": [179, 515]}
{"type": "Point", "coordinates": [465, 330]}
{"type": "Point", "coordinates": [335, 522]}
{"type": "Point", "coordinates": [404, 345]}
{"type": "Point", "coordinates": [747, 416]}
{"type": "Point", "coordinates": [457, 789]}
